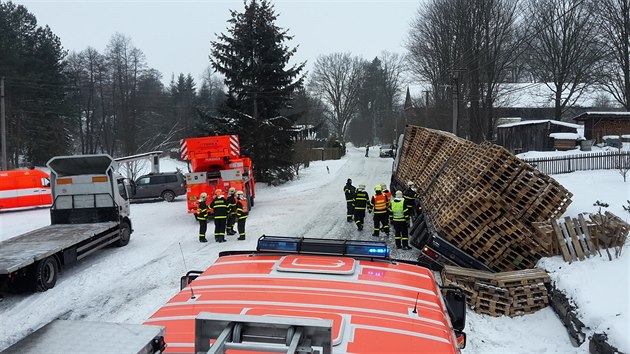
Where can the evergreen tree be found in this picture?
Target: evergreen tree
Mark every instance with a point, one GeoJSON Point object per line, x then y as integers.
{"type": "Point", "coordinates": [31, 62]}
{"type": "Point", "coordinates": [253, 58]}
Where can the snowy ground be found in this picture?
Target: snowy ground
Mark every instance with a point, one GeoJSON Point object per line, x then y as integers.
{"type": "Point", "coordinates": [128, 284]}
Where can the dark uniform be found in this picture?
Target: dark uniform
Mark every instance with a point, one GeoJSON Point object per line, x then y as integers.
{"type": "Point", "coordinates": [380, 205]}
{"type": "Point", "coordinates": [400, 220]}
{"type": "Point", "coordinates": [202, 217]}
{"type": "Point", "coordinates": [231, 218]}
{"type": "Point", "coordinates": [349, 191]}
{"type": "Point", "coordinates": [242, 211]}
{"type": "Point", "coordinates": [361, 199]}
{"type": "Point", "coordinates": [220, 209]}
{"type": "Point", "coordinates": [410, 202]}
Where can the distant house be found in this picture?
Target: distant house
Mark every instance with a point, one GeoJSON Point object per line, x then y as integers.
{"type": "Point", "coordinates": [533, 135]}
{"type": "Point", "coordinates": [600, 124]}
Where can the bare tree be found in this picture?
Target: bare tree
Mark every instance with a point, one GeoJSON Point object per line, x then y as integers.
{"type": "Point", "coordinates": [565, 51]}
{"type": "Point", "coordinates": [336, 79]}
{"type": "Point", "coordinates": [127, 64]}
{"type": "Point", "coordinates": [614, 15]}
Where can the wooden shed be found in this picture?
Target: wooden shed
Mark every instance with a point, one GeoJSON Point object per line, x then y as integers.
{"type": "Point", "coordinates": [600, 124]}
{"type": "Point", "coordinates": [532, 135]}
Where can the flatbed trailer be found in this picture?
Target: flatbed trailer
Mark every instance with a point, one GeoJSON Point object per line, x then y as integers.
{"type": "Point", "coordinates": [72, 242]}
{"type": "Point", "coordinates": [90, 211]}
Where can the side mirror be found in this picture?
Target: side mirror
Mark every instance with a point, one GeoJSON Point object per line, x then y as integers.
{"type": "Point", "coordinates": [188, 278]}
{"type": "Point", "coordinates": [456, 305]}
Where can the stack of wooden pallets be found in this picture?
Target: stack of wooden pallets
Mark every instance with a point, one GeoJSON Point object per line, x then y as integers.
{"type": "Point", "coordinates": [508, 293]}
{"type": "Point", "coordinates": [481, 197]}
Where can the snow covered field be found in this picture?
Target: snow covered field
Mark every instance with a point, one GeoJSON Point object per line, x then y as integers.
{"type": "Point", "coordinates": [128, 284]}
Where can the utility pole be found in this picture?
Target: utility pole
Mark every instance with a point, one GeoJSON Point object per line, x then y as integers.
{"type": "Point", "coordinates": [455, 93]}
{"type": "Point", "coordinates": [426, 107]}
{"type": "Point", "coordinates": [3, 126]}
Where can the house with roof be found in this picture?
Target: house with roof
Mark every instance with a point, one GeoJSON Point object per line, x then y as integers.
{"type": "Point", "coordinates": [539, 135]}
{"type": "Point", "coordinates": [598, 125]}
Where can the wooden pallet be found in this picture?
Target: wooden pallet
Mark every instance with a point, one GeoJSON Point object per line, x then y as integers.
{"type": "Point", "coordinates": [573, 238]}
{"type": "Point", "coordinates": [491, 307]}
{"type": "Point", "coordinates": [520, 278]}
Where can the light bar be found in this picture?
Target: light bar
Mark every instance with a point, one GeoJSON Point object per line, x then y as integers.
{"type": "Point", "coordinates": [278, 244]}
{"type": "Point", "coordinates": [352, 248]}
{"type": "Point", "coordinates": [367, 249]}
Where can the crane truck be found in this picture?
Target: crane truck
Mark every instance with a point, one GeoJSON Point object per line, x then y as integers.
{"type": "Point", "coordinates": [215, 162]}
{"type": "Point", "coordinates": [90, 210]}
{"type": "Point", "coordinates": [290, 295]}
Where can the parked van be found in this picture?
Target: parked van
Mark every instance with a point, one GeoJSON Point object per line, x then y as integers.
{"type": "Point", "coordinates": [24, 188]}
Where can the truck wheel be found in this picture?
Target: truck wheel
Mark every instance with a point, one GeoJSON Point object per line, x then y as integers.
{"type": "Point", "coordinates": [125, 234]}
{"type": "Point", "coordinates": [46, 272]}
{"type": "Point", "coordinates": [169, 196]}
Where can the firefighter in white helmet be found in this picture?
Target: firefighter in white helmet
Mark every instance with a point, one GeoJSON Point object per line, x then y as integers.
{"type": "Point", "coordinates": [399, 220]}
{"type": "Point", "coordinates": [202, 216]}
{"type": "Point", "coordinates": [360, 203]}
{"type": "Point", "coordinates": [231, 219]}
{"type": "Point", "coordinates": [242, 211]}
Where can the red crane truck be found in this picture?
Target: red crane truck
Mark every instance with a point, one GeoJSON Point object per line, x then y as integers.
{"type": "Point", "coordinates": [215, 162]}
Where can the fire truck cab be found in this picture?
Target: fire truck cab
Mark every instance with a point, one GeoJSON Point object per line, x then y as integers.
{"type": "Point", "coordinates": [215, 162]}
{"type": "Point", "coordinates": [298, 295]}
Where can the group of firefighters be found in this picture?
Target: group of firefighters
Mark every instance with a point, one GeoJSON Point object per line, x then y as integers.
{"type": "Point", "coordinates": [226, 212]}
{"type": "Point", "coordinates": [399, 210]}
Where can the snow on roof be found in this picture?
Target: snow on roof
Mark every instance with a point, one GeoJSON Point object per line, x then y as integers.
{"type": "Point", "coordinates": [566, 136]}
{"type": "Point", "coordinates": [541, 121]}
{"type": "Point", "coordinates": [616, 114]}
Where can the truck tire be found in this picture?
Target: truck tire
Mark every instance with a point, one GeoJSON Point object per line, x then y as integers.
{"type": "Point", "coordinates": [125, 234]}
{"type": "Point", "coordinates": [169, 196]}
{"type": "Point", "coordinates": [46, 272]}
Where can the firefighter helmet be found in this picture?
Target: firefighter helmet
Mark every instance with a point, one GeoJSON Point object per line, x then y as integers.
{"type": "Point", "coordinates": [218, 192]}
{"type": "Point", "coordinates": [231, 191]}
{"type": "Point", "coordinates": [383, 186]}
{"type": "Point", "coordinates": [410, 184]}
{"type": "Point", "coordinates": [361, 187]}
{"type": "Point", "coordinates": [399, 194]}
{"type": "Point", "coordinates": [240, 194]}
{"type": "Point", "coordinates": [203, 196]}
{"type": "Point", "coordinates": [378, 188]}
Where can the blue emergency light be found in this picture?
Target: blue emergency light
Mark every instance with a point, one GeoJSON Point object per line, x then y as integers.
{"type": "Point", "coordinates": [352, 248]}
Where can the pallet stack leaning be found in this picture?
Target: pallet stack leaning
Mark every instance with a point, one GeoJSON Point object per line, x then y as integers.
{"type": "Point", "coordinates": [482, 198]}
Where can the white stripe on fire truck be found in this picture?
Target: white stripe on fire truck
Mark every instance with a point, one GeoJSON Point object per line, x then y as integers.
{"type": "Point", "coordinates": [234, 145]}
{"type": "Point", "coordinates": [249, 303]}
{"type": "Point", "coordinates": [303, 275]}
{"type": "Point", "coordinates": [318, 290]}
{"type": "Point", "coordinates": [183, 149]}
{"type": "Point", "coordinates": [28, 192]}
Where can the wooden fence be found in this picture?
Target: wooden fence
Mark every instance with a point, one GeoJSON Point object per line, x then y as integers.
{"type": "Point", "coordinates": [609, 160]}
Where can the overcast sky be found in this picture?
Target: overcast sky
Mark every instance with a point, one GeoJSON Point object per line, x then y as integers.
{"type": "Point", "coordinates": [175, 35]}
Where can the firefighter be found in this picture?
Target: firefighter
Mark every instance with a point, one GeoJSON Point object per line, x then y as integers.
{"type": "Point", "coordinates": [388, 194]}
{"type": "Point", "coordinates": [380, 206]}
{"type": "Point", "coordinates": [349, 190]}
{"type": "Point", "coordinates": [219, 208]}
{"type": "Point", "coordinates": [410, 195]}
{"type": "Point", "coordinates": [400, 220]}
{"type": "Point", "coordinates": [242, 211]}
{"type": "Point", "coordinates": [231, 218]}
{"type": "Point", "coordinates": [361, 199]}
{"type": "Point", "coordinates": [202, 216]}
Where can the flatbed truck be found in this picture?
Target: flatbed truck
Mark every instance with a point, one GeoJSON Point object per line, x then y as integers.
{"type": "Point", "coordinates": [90, 210]}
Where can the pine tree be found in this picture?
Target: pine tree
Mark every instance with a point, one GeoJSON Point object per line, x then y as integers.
{"type": "Point", "coordinates": [253, 58]}
{"type": "Point", "coordinates": [32, 64]}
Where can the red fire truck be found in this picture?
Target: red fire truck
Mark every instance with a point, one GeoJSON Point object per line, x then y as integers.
{"type": "Point", "coordinates": [215, 162]}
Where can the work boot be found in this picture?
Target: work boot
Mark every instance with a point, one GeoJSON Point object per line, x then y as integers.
{"type": "Point", "coordinates": [202, 239]}
{"type": "Point", "coordinates": [360, 227]}
{"type": "Point", "coordinates": [398, 244]}
{"type": "Point", "coordinates": [222, 239]}
{"type": "Point", "coordinates": [375, 234]}
{"type": "Point", "coordinates": [231, 232]}
{"type": "Point", "coordinates": [349, 219]}
{"type": "Point", "coordinates": [406, 245]}
{"type": "Point", "coordinates": [241, 238]}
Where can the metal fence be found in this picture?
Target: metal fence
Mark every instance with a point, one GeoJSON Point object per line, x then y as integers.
{"type": "Point", "coordinates": [609, 160]}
